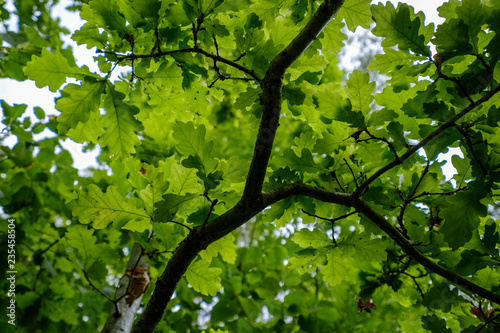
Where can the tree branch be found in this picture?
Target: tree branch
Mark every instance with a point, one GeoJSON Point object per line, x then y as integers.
{"type": "Point", "coordinates": [214, 57]}
{"type": "Point", "coordinates": [410, 248]}
{"type": "Point", "coordinates": [426, 140]}
{"type": "Point", "coordinates": [121, 317]}
{"type": "Point", "coordinates": [201, 237]}
{"type": "Point", "coordinates": [252, 201]}
{"type": "Point", "coordinates": [272, 86]}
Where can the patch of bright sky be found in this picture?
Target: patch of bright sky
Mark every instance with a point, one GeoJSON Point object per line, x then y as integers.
{"type": "Point", "coordinates": [14, 92]}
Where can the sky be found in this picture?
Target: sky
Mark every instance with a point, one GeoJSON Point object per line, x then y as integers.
{"type": "Point", "coordinates": [14, 92]}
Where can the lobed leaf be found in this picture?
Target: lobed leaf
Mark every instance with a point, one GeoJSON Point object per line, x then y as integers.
{"type": "Point", "coordinates": [101, 209]}
{"type": "Point", "coordinates": [52, 69]}
{"type": "Point", "coordinates": [120, 125]}
{"type": "Point", "coordinates": [203, 278]}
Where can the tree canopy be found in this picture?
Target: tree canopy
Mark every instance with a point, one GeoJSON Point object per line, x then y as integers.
{"type": "Point", "coordinates": [243, 179]}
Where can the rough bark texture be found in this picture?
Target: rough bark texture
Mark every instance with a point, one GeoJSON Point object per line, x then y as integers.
{"type": "Point", "coordinates": [252, 201]}
{"type": "Point", "coordinates": [122, 321]}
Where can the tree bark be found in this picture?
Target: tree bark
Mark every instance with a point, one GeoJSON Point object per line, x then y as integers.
{"type": "Point", "coordinates": [121, 321]}
{"type": "Point", "coordinates": [252, 201]}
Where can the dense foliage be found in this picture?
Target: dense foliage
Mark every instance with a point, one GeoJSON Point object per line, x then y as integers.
{"type": "Point", "coordinates": [266, 194]}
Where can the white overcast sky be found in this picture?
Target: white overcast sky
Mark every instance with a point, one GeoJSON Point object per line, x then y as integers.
{"type": "Point", "coordinates": [14, 92]}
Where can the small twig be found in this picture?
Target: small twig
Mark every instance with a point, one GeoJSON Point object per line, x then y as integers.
{"type": "Point", "coordinates": [212, 84]}
{"type": "Point", "coordinates": [40, 269]}
{"type": "Point", "coordinates": [157, 46]}
{"type": "Point", "coordinates": [352, 173]}
{"type": "Point", "coordinates": [416, 283]}
{"type": "Point", "coordinates": [97, 289]}
{"type": "Point", "coordinates": [409, 199]}
{"type": "Point", "coordinates": [241, 56]}
{"type": "Point", "coordinates": [216, 47]}
{"type": "Point", "coordinates": [389, 144]}
{"type": "Point", "coordinates": [470, 144]}
{"type": "Point", "coordinates": [334, 175]}
{"type": "Point", "coordinates": [212, 205]}
{"type": "Point", "coordinates": [423, 194]}
{"type": "Point", "coordinates": [488, 69]}
{"type": "Point", "coordinates": [457, 82]}
{"type": "Point", "coordinates": [221, 76]}
{"type": "Point", "coordinates": [424, 141]}
{"type": "Point", "coordinates": [196, 28]}
{"type": "Point", "coordinates": [182, 224]}
{"type": "Point", "coordinates": [48, 247]}
{"type": "Point", "coordinates": [121, 57]}
{"type": "Point", "coordinates": [155, 252]}
{"type": "Point", "coordinates": [332, 221]}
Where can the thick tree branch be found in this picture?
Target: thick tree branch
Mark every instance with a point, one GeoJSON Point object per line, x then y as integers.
{"type": "Point", "coordinates": [426, 140]}
{"type": "Point", "coordinates": [272, 86]}
{"type": "Point", "coordinates": [411, 249]}
{"type": "Point", "coordinates": [252, 201]}
{"type": "Point", "coordinates": [201, 237]}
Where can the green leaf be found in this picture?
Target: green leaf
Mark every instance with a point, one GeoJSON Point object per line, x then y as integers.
{"type": "Point", "coordinates": [356, 13]}
{"type": "Point", "coordinates": [90, 36]}
{"type": "Point", "coordinates": [491, 238]}
{"type": "Point", "coordinates": [399, 28]}
{"type": "Point", "coordinates": [225, 246]}
{"type": "Point", "coordinates": [315, 238]}
{"type": "Point", "coordinates": [89, 131]}
{"type": "Point", "coordinates": [488, 278]}
{"type": "Point", "coordinates": [332, 37]}
{"type": "Point", "coordinates": [362, 248]}
{"type": "Point", "coordinates": [334, 106]}
{"type": "Point", "coordinates": [105, 14]}
{"type": "Point", "coordinates": [184, 180]}
{"type": "Point", "coordinates": [473, 15]}
{"type": "Point", "coordinates": [78, 103]}
{"type": "Point", "coordinates": [156, 188]}
{"type": "Point", "coordinates": [191, 141]}
{"type": "Point", "coordinates": [336, 270]}
{"type": "Point", "coordinates": [105, 208]}
{"type": "Point", "coordinates": [52, 69]}
{"type": "Point", "coordinates": [204, 279]}
{"type": "Point", "coordinates": [434, 324]}
{"type": "Point", "coordinates": [81, 238]}
{"type": "Point", "coordinates": [461, 215]}
{"type": "Point", "coordinates": [359, 90]}
{"type": "Point", "coordinates": [171, 204]}
{"type": "Point", "coordinates": [120, 125]}
{"type": "Point", "coordinates": [234, 172]}
{"type": "Point", "coordinates": [440, 297]}
{"type": "Point", "coordinates": [167, 75]}
{"type": "Point", "coordinates": [452, 39]}
{"type": "Point", "coordinates": [306, 261]}
{"type": "Point", "coordinates": [98, 271]}
{"type": "Point", "coordinates": [304, 163]}
{"type": "Point", "coordinates": [247, 98]}
{"type": "Point", "coordinates": [148, 9]}
{"type": "Point", "coordinates": [40, 114]}
{"type": "Point", "coordinates": [392, 60]}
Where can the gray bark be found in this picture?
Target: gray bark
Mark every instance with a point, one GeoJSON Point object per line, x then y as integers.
{"type": "Point", "coordinates": [121, 321]}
